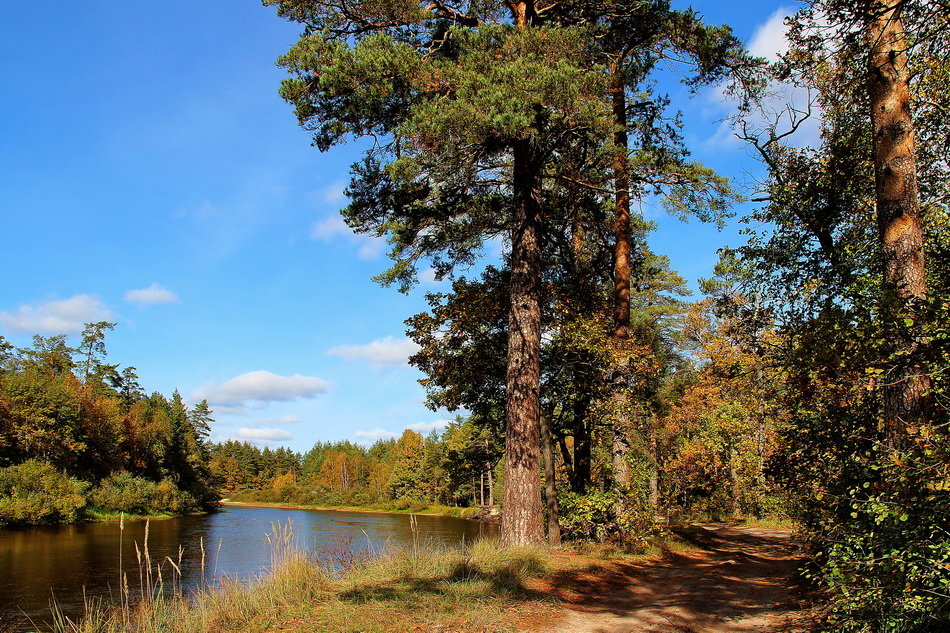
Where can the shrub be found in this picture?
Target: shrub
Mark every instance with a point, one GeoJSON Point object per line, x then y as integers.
{"type": "Point", "coordinates": [361, 498]}
{"type": "Point", "coordinates": [35, 493]}
{"type": "Point", "coordinates": [169, 498]}
{"type": "Point", "coordinates": [400, 504]}
{"type": "Point", "coordinates": [125, 492]}
{"type": "Point", "coordinates": [886, 562]}
{"type": "Point", "coordinates": [599, 516]}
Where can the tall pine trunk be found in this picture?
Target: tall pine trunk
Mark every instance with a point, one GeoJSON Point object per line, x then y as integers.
{"type": "Point", "coordinates": [521, 520]}
{"type": "Point", "coordinates": [900, 225]}
{"type": "Point", "coordinates": [623, 248]}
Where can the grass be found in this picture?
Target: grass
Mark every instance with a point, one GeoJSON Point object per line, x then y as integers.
{"type": "Point", "coordinates": [101, 515]}
{"type": "Point", "coordinates": [421, 587]}
{"type": "Point", "coordinates": [772, 523]}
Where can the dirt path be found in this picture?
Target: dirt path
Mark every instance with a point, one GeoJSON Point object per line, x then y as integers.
{"type": "Point", "coordinates": [738, 582]}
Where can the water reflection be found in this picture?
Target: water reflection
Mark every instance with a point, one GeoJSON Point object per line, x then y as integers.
{"type": "Point", "coordinates": [37, 564]}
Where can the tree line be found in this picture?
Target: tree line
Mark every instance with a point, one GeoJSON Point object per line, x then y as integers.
{"type": "Point", "coordinates": [457, 467]}
{"type": "Point", "coordinates": [79, 437]}
{"type": "Point", "coordinates": [820, 356]}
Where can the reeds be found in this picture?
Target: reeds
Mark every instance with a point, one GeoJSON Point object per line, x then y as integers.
{"type": "Point", "coordinates": [164, 605]}
{"type": "Point", "coordinates": [402, 580]}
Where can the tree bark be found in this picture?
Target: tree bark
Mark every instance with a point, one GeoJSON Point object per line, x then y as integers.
{"type": "Point", "coordinates": [567, 459]}
{"type": "Point", "coordinates": [523, 13]}
{"type": "Point", "coordinates": [620, 444]}
{"type": "Point", "coordinates": [623, 246]}
{"type": "Point", "coordinates": [900, 224]}
{"type": "Point", "coordinates": [522, 517]}
{"type": "Point", "coordinates": [550, 485]}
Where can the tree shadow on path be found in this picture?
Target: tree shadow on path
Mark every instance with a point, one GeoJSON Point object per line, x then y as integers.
{"type": "Point", "coordinates": [740, 579]}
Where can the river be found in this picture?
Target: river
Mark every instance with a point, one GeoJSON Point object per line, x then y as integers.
{"type": "Point", "coordinates": [63, 562]}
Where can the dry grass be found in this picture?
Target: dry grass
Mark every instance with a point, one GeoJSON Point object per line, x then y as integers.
{"type": "Point", "coordinates": [421, 587]}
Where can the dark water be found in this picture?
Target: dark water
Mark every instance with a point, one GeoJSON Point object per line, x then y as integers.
{"type": "Point", "coordinates": [37, 564]}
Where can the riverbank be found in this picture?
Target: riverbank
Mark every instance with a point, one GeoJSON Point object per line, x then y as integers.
{"type": "Point", "coordinates": [99, 515]}
{"type": "Point", "coordinates": [723, 579]}
{"type": "Point", "coordinates": [445, 511]}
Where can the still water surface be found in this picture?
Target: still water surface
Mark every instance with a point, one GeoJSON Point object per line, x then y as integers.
{"type": "Point", "coordinates": [37, 564]}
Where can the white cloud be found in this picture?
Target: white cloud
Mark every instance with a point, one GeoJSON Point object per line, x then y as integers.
{"type": "Point", "coordinates": [334, 193]}
{"type": "Point", "coordinates": [262, 386]}
{"type": "Point", "coordinates": [284, 419]}
{"type": "Point", "coordinates": [370, 247]}
{"type": "Point", "coordinates": [769, 39]}
{"type": "Point", "coordinates": [383, 352]}
{"type": "Point", "coordinates": [419, 427]}
{"type": "Point", "coordinates": [376, 434]}
{"type": "Point", "coordinates": [783, 103]}
{"type": "Point", "coordinates": [55, 317]}
{"type": "Point", "coordinates": [155, 293]}
{"type": "Point", "coordinates": [427, 276]}
{"type": "Point", "coordinates": [329, 227]}
{"type": "Point", "coordinates": [264, 435]}
{"type": "Point", "coordinates": [220, 409]}
{"type": "Point", "coordinates": [333, 226]}
{"type": "Point", "coordinates": [428, 427]}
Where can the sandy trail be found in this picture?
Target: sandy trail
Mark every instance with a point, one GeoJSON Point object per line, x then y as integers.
{"type": "Point", "coordinates": [738, 582]}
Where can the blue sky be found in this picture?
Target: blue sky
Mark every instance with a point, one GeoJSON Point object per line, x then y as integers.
{"type": "Point", "coordinates": [151, 176]}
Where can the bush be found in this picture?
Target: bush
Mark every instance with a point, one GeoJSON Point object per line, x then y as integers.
{"type": "Point", "coordinates": [124, 492]}
{"type": "Point", "coordinates": [361, 498]}
{"type": "Point", "coordinates": [773, 506]}
{"type": "Point", "coordinates": [886, 561]}
{"type": "Point", "coordinates": [34, 493]}
{"type": "Point", "coordinates": [599, 516]}
{"type": "Point", "coordinates": [169, 498]}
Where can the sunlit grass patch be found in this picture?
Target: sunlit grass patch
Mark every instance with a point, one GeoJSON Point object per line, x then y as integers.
{"type": "Point", "coordinates": [771, 523]}
{"type": "Point", "coordinates": [101, 515]}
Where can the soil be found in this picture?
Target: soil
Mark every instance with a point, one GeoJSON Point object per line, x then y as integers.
{"type": "Point", "coordinates": [737, 580]}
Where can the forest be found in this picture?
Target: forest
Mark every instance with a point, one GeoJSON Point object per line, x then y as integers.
{"type": "Point", "coordinates": [80, 438]}
{"type": "Point", "coordinates": [454, 469]}
{"type": "Point", "coordinates": [817, 361]}
{"type": "Point", "coordinates": [596, 398]}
